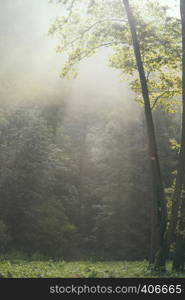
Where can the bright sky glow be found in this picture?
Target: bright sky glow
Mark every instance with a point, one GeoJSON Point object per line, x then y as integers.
{"type": "Point", "coordinates": [174, 4]}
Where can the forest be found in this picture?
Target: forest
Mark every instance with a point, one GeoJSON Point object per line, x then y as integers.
{"type": "Point", "coordinates": [92, 137]}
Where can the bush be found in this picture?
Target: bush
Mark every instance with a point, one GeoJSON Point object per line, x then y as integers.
{"type": "Point", "coordinates": [53, 235]}
{"type": "Point", "coordinates": [4, 237]}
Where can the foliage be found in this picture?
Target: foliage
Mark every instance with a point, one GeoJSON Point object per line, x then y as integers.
{"type": "Point", "coordinates": [74, 179]}
{"type": "Point", "coordinates": [67, 187]}
{"type": "Point", "coordinates": [86, 26]}
{"type": "Point", "coordinates": [4, 236]}
{"type": "Point", "coordinates": [53, 234]}
{"type": "Point", "coordinates": [63, 269]}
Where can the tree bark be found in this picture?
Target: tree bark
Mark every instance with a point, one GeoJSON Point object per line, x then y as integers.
{"type": "Point", "coordinates": [82, 170]}
{"type": "Point", "coordinates": [177, 197]}
{"type": "Point", "coordinates": [153, 233]}
{"type": "Point", "coordinates": [178, 208]}
{"type": "Point", "coordinates": [159, 197]}
{"type": "Point", "coordinates": [179, 256]}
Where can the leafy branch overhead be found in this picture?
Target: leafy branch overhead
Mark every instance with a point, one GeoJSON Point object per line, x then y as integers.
{"type": "Point", "coordinates": [84, 26]}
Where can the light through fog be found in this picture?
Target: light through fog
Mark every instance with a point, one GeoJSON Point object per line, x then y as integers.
{"type": "Point", "coordinates": [78, 196]}
{"type": "Point", "coordinates": [30, 67]}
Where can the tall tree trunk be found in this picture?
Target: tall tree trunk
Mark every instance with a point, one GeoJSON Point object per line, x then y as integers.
{"type": "Point", "coordinates": [159, 196]}
{"type": "Point", "coordinates": [179, 256]}
{"type": "Point", "coordinates": [153, 233]}
{"type": "Point", "coordinates": [179, 199]}
{"type": "Point", "coordinates": [82, 162]}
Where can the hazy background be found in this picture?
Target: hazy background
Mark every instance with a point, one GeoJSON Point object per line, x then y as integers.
{"type": "Point", "coordinates": [30, 67]}
{"type": "Point", "coordinates": [74, 176]}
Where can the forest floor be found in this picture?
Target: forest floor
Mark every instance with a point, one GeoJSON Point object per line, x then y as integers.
{"type": "Point", "coordinates": [81, 269]}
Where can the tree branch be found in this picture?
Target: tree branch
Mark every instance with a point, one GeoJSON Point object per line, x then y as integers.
{"type": "Point", "coordinates": [157, 98]}
{"type": "Point", "coordinates": [89, 28]}
{"type": "Point", "coordinates": [70, 10]}
{"type": "Point", "coordinates": [97, 47]}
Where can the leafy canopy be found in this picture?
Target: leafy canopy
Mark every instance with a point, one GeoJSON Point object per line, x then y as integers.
{"type": "Point", "coordinates": [88, 25]}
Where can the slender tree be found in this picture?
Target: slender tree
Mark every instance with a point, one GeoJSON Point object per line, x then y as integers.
{"type": "Point", "coordinates": [104, 25]}
{"type": "Point", "coordinates": [179, 199]}
{"type": "Point", "coordinates": [159, 197]}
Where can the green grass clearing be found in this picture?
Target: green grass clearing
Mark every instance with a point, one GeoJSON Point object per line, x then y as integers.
{"type": "Point", "coordinates": [79, 269]}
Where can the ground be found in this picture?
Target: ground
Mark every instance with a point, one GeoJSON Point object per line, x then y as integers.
{"type": "Point", "coordinates": [81, 269]}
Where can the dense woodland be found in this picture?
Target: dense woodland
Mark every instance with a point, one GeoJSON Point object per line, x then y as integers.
{"type": "Point", "coordinates": [79, 186]}
{"type": "Point", "coordinates": [92, 180]}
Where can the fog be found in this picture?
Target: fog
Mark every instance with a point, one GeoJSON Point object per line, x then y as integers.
{"type": "Point", "coordinates": [75, 181]}
{"type": "Point", "coordinates": [30, 67]}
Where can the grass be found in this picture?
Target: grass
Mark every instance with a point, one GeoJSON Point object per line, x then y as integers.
{"type": "Point", "coordinates": [81, 269]}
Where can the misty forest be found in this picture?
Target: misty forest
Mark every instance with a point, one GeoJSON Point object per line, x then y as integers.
{"type": "Point", "coordinates": [92, 138]}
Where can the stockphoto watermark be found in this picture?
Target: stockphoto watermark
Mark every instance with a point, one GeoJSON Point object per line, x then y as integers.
{"type": "Point", "coordinates": [96, 289]}
{"type": "Point", "coordinates": [121, 290]}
